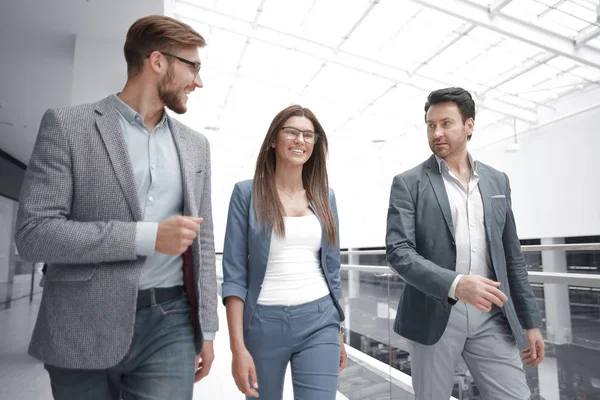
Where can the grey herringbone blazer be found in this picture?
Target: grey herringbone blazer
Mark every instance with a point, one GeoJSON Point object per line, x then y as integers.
{"type": "Point", "coordinates": [78, 211]}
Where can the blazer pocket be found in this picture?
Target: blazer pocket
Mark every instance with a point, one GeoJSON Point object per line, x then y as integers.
{"type": "Point", "coordinates": [70, 272]}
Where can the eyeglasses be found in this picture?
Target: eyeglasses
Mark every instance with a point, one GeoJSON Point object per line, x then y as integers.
{"type": "Point", "coordinates": [194, 65]}
{"type": "Point", "coordinates": [293, 133]}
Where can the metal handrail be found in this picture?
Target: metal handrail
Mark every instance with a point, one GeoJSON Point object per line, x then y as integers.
{"type": "Point", "coordinates": [571, 279]}
{"type": "Point", "coordinates": [525, 248]}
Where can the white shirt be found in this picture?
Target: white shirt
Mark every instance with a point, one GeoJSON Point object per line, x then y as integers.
{"type": "Point", "coordinates": [294, 275]}
{"type": "Point", "coordinates": [466, 206]}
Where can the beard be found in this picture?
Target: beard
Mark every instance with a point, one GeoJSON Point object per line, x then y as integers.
{"type": "Point", "coordinates": [170, 95]}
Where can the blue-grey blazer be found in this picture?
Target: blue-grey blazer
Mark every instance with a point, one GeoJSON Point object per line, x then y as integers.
{"type": "Point", "coordinates": [246, 252]}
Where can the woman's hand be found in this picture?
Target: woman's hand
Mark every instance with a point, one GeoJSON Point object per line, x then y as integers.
{"type": "Point", "coordinates": [343, 355]}
{"type": "Point", "coordinates": [242, 367]}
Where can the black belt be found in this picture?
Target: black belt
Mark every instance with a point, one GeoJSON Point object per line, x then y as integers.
{"type": "Point", "coordinates": [161, 295]}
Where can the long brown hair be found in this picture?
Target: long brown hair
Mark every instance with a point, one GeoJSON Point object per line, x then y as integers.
{"type": "Point", "coordinates": [268, 207]}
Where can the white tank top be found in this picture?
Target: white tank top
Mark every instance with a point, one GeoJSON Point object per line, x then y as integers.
{"type": "Point", "coordinates": [294, 275]}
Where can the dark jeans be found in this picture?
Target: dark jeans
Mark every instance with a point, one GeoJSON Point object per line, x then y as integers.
{"type": "Point", "coordinates": [159, 365]}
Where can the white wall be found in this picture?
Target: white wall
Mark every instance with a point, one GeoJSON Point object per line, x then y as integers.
{"type": "Point", "coordinates": [35, 75]}
{"type": "Point", "coordinates": [99, 63]}
{"type": "Point", "coordinates": [56, 54]}
{"type": "Point", "coordinates": [554, 177]}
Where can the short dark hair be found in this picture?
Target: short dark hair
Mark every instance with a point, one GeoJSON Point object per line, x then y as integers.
{"type": "Point", "coordinates": [459, 96]}
{"type": "Point", "coordinates": [157, 33]}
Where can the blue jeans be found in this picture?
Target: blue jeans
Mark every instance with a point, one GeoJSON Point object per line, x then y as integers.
{"type": "Point", "coordinates": [159, 365]}
{"type": "Point", "coordinates": [307, 336]}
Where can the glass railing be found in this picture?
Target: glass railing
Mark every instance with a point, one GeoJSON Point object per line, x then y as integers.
{"type": "Point", "coordinates": [566, 283]}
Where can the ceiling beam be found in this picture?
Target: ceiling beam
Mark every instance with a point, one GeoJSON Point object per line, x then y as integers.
{"type": "Point", "coordinates": [515, 29]}
{"type": "Point", "coordinates": [497, 6]}
{"type": "Point", "coordinates": [583, 38]}
{"type": "Point", "coordinates": [462, 32]}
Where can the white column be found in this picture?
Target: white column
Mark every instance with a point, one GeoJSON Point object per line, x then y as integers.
{"type": "Point", "coordinates": [353, 291]}
{"type": "Point", "coordinates": [353, 276]}
{"type": "Point", "coordinates": [556, 296]}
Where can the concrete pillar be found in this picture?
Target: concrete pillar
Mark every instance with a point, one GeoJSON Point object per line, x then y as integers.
{"type": "Point", "coordinates": [353, 291]}
{"type": "Point", "coordinates": [558, 310]}
{"type": "Point", "coordinates": [353, 276]}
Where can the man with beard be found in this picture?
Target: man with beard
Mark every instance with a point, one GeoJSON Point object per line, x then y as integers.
{"type": "Point", "coordinates": [451, 236]}
{"type": "Point", "coordinates": [117, 201]}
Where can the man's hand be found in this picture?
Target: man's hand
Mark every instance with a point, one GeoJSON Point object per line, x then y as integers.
{"type": "Point", "coordinates": [242, 366]}
{"type": "Point", "coordinates": [176, 234]}
{"type": "Point", "coordinates": [480, 292]}
{"type": "Point", "coordinates": [204, 360]}
{"type": "Point", "coordinates": [536, 352]}
{"type": "Point", "coordinates": [343, 355]}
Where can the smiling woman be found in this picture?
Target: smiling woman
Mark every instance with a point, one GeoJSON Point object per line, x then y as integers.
{"type": "Point", "coordinates": [281, 266]}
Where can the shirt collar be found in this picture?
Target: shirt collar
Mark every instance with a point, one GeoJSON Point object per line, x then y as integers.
{"type": "Point", "coordinates": [131, 115]}
{"type": "Point", "coordinates": [443, 166]}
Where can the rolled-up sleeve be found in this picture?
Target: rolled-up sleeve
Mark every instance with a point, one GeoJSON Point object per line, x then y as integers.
{"type": "Point", "coordinates": [235, 249]}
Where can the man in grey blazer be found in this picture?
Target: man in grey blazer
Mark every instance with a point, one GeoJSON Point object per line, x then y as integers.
{"type": "Point", "coordinates": [451, 236]}
{"type": "Point", "coordinates": [117, 200]}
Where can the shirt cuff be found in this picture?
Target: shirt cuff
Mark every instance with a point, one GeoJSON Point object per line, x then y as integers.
{"type": "Point", "coordinates": [145, 238]}
{"type": "Point", "coordinates": [209, 335]}
{"type": "Point", "coordinates": [451, 292]}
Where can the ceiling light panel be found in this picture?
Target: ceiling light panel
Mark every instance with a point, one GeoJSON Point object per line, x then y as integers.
{"type": "Point", "coordinates": [278, 66]}
{"type": "Point", "coordinates": [329, 21]}
{"type": "Point", "coordinates": [419, 38]}
{"type": "Point", "coordinates": [561, 23]}
{"type": "Point", "coordinates": [383, 23]}
{"type": "Point", "coordinates": [342, 87]}
{"type": "Point", "coordinates": [226, 61]}
{"type": "Point", "coordinates": [563, 63]}
{"type": "Point", "coordinates": [241, 9]}
{"type": "Point", "coordinates": [490, 65]}
{"type": "Point", "coordinates": [189, 12]}
{"type": "Point", "coordinates": [584, 12]}
{"type": "Point", "coordinates": [587, 73]}
{"type": "Point", "coordinates": [526, 10]}
{"type": "Point", "coordinates": [285, 15]}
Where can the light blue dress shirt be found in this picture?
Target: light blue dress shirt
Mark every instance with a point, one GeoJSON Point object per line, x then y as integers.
{"type": "Point", "coordinates": [157, 171]}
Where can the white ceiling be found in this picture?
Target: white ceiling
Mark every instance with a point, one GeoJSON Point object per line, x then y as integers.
{"type": "Point", "coordinates": [365, 68]}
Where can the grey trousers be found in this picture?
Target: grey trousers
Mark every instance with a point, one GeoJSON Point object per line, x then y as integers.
{"type": "Point", "coordinates": [307, 336]}
{"type": "Point", "coordinates": [486, 344]}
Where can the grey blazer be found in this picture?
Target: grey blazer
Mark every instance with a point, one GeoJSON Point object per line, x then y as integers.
{"type": "Point", "coordinates": [78, 211]}
{"type": "Point", "coordinates": [421, 249]}
{"type": "Point", "coordinates": [246, 253]}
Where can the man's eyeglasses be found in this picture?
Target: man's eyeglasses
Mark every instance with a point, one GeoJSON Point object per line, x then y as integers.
{"type": "Point", "coordinates": [195, 65]}
{"type": "Point", "coordinates": [293, 133]}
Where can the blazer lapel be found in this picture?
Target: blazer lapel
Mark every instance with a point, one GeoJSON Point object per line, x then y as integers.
{"type": "Point", "coordinates": [486, 192]}
{"type": "Point", "coordinates": [324, 241]}
{"type": "Point", "coordinates": [112, 135]}
{"type": "Point", "coordinates": [437, 182]}
{"type": "Point", "coordinates": [260, 240]}
{"type": "Point", "coordinates": [182, 145]}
